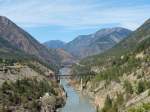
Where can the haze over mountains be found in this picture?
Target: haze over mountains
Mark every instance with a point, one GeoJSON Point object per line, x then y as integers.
{"type": "Point", "coordinates": [87, 45]}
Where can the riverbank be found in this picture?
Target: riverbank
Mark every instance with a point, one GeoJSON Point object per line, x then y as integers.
{"type": "Point", "coordinates": [76, 100]}
{"type": "Point", "coordinates": [85, 92]}
{"type": "Point", "coordinates": [51, 103]}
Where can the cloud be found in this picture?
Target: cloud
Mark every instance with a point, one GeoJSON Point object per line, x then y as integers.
{"type": "Point", "coordinates": [74, 14]}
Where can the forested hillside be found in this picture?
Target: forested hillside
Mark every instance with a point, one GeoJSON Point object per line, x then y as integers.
{"type": "Point", "coordinates": [122, 74]}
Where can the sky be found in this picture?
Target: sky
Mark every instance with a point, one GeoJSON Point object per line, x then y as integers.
{"type": "Point", "coordinates": [66, 19]}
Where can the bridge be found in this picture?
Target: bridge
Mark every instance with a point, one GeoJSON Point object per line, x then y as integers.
{"type": "Point", "coordinates": [65, 76]}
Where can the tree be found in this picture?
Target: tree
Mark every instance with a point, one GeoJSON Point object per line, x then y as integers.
{"type": "Point", "coordinates": [141, 87]}
{"type": "Point", "coordinates": [107, 105]}
{"type": "Point", "coordinates": [128, 87]}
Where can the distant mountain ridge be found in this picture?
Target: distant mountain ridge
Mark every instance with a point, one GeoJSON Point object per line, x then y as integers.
{"type": "Point", "coordinates": [57, 47]}
{"type": "Point", "coordinates": [98, 42]}
{"type": "Point", "coordinates": [127, 45]}
{"type": "Point", "coordinates": [102, 40]}
{"type": "Point", "coordinates": [55, 44]}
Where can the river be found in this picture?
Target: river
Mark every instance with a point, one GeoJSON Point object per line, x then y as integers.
{"type": "Point", "coordinates": [76, 102]}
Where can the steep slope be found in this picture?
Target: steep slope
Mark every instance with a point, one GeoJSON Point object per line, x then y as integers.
{"type": "Point", "coordinates": [102, 40]}
{"type": "Point", "coordinates": [22, 40]}
{"type": "Point", "coordinates": [65, 57]}
{"type": "Point", "coordinates": [126, 45]}
{"type": "Point", "coordinates": [27, 82]}
{"type": "Point", "coordinates": [9, 51]}
{"type": "Point", "coordinates": [28, 86]}
{"type": "Point", "coordinates": [54, 44]}
{"type": "Point", "coordinates": [122, 74]}
{"type": "Point", "coordinates": [134, 39]}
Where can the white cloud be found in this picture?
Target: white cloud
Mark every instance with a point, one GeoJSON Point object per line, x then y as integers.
{"type": "Point", "coordinates": [71, 14]}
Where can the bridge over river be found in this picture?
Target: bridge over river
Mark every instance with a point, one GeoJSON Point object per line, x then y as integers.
{"type": "Point", "coordinates": [76, 101]}
{"type": "Point", "coordinates": [61, 76]}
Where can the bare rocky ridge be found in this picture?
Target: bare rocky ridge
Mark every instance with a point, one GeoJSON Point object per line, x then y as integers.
{"type": "Point", "coordinates": [98, 42]}
{"type": "Point", "coordinates": [87, 45]}
{"type": "Point", "coordinates": [54, 44]}
{"type": "Point", "coordinates": [65, 57]}
{"type": "Point", "coordinates": [20, 39]}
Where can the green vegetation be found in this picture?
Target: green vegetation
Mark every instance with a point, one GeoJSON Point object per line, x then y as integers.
{"type": "Point", "coordinates": [128, 60]}
{"type": "Point", "coordinates": [143, 45]}
{"type": "Point", "coordinates": [128, 87]}
{"type": "Point", "coordinates": [8, 62]}
{"type": "Point", "coordinates": [142, 86]}
{"type": "Point", "coordinates": [111, 105]}
{"type": "Point", "coordinates": [118, 68]}
{"type": "Point", "coordinates": [9, 52]}
{"type": "Point", "coordinates": [108, 75]}
{"type": "Point", "coordinates": [144, 108]}
{"type": "Point", "coordinates": [108, 104]}
{"type": "Point", "coordinates": [25, 92]}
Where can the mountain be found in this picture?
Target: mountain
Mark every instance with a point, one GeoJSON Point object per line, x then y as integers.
{"type": "Point", "coordinates": [98, 42]}
{"type": "Point", "coordinates": [6, 48]}
{"type": "Point", "coordinates": [65, 57]}
{"type": "Point", "coordinates": [121, 79]}
{"type": "Point", "coordinates": [132, 41]}
{"type": "Point", "coordinates": [54, 44]}
{"type": "Point", "coordinates": [57, 46]}
{"type": "Point", "coordinates": [127, 45]}
{"type": "Point", "coordinates": [26, 72]}
{"type": "Point", "coordinates": [23, 41]}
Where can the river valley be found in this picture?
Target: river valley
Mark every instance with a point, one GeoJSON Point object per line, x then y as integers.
{"type": "Point", "coordinates": [76, 102]}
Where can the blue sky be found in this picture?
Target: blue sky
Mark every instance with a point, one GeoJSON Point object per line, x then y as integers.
{"type": "Point", "coordinates": [66, 19]}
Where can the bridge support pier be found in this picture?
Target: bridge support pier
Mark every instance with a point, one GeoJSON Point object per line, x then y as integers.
{"type": "Point", "coordinates": [81, 84]}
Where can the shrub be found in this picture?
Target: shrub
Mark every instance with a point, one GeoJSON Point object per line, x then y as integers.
{"type": "Point", "coordinates": [128, 87]}
{"type": "Point", "coordinates": [24, 92]}
{"type": "Point", "coordinates": [141, 87]}
{"type": "Point", "coordinates": [107, 105]}
{"type": "Point", "coordinates": [143, 108]}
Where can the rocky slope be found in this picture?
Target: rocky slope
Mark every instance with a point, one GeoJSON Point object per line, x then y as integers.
{"type": "Point", "coordinates": [65, 57]}
{"type": "Point", "coordinates": [25, 85]}
{"type": "Point", "coordinates": [23, 41]}
{"type": "Point", "coordinates": [57, 47]}
{"type": "Point", "coordinates": [122, 74]}
{"type": "Point", "coordinates": [27, 81]}
{"type": "Point", "coordinates": [54, 44]}
{"type": "Point", "coordinates": [102, 40]}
